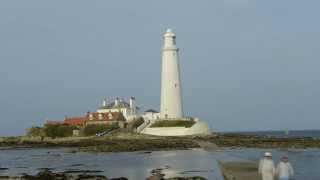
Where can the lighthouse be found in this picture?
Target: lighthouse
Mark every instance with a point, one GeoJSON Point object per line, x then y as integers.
{"type": "Point", "coordinates": [171, 90]}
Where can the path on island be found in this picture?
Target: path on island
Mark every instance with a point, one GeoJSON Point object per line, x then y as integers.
{"type": "Point", "coordinates": [240, 171]}
{"type": "Point", "coordinates": [208, 146]}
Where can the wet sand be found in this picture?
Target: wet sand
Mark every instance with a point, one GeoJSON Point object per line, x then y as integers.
{"type": "Point", "coordinates": [239, 170]}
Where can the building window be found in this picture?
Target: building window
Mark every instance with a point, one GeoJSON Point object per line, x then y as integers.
{"type": "Point", "coordinates": [110, 116]}
{"type": "Point", "coordinates": [100, 116]}
{"type": "Point", "coordinates": [90, 117]}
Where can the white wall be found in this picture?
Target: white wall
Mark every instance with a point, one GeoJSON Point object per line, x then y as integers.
{"type": "Point", "coordinates": [127, 113]}
{"type": "Point", "coordinates": [151, 115]}
{"type": "Point", "coordinates": [199, 128]}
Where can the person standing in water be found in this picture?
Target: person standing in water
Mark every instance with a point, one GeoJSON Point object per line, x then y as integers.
{"type": "Point", "coordinates": [266, 167]}
{"type": "Point", "coordinates": [284, 169]}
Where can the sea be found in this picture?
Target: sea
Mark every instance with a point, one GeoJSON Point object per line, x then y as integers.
{"type": "Point", "coordinates": [285, 133]}
{"type": "Point", "coordinates": [140, 165]}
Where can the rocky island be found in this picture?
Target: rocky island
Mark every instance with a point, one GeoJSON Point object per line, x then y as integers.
{"type": "Point", "coordinates": [120, 142]}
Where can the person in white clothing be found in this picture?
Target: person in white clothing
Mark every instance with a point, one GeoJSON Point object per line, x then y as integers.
{"type": "Point", "coordinates": [266, 167]}
{"type": "Point", "coordinates": [284, 169]}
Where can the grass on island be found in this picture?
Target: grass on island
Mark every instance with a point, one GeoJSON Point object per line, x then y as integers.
{"type": "Point", "coordinates": [173, 123]}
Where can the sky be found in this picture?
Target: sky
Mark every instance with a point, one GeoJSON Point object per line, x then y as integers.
{"type": "Point", "coordinates": [245, 65]}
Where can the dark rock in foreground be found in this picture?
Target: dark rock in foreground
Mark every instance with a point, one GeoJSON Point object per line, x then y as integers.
{"type": "Point", "coordinates": [187, 178]}
{"type": "Point", "coordinates": [158, 174]}
{"type": "Point", "coordinates": [49, 175]}
{"type": "Point", "coordinates": [176, 178]}
{"type": "Point", "coordinates": [46, 174]}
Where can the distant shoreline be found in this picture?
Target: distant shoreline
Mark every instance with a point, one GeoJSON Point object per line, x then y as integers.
{"type": "Point", "coordinates": [126, 142]}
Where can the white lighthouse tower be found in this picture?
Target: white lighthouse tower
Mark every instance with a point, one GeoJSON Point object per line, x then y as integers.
{"type": "Point", "coordinates": [171, 97]}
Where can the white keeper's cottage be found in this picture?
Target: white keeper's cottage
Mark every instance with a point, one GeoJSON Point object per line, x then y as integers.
{"type": "Point", "coordinates": [129, 109]}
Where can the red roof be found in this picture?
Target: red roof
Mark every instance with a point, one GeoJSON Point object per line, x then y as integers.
{"type": "Point", "coordinates": [81, 120]}
{"type": "Point", "coordinates": [54, 122]}
{"type": "Point", "coordinates": [75, 121]}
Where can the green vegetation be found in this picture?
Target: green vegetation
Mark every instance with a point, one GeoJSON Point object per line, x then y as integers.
{"type": "Point", "coordinates": [173, 123]}
{"type": "Point", "coordinates": [58, 130]}
{"type": "Point", "coordinates": [93, 129]}
{"type": "Point", "coordinates": [10, 139]}
{"type": "Point", "coordinates": [63, 130]}
{"type": "Point", "coordinates": [35, 132]}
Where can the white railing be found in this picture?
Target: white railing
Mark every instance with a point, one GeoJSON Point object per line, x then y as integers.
{"type": "Point", "coordinates": [143, 125]}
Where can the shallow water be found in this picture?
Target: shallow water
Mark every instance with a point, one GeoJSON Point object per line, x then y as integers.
{"type": "Point", "coordinates": [133, 165]}
{"type": "Point", "coordinates": [286, 134]}
{"type": "Point", "coordinates": [138, 165]}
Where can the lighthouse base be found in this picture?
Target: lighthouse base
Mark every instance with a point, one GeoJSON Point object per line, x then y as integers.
{"type": "Point", "coordinates": [198, 128]}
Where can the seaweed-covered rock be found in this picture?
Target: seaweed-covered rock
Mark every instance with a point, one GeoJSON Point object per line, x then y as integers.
{"type": "Point", "coordinates": [45, 174]}
{"type": "Point", "coordinates": [49, 175]}
{"type": "Point", "coordinates": [155, 177]}
{"type": "Point", "coordinates": [91, 177]}
{"type": "Point", "coordinates": [120, 178]}
{"type": "Point", "coordinates": [187, 178]}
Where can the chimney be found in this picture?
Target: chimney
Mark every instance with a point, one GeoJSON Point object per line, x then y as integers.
{"type": "Point", "coordinates": [104, 102]}
{"type": "Point", "coordinates": [116, 102]}
{"type": "Point", "coordinates": [132, 102]}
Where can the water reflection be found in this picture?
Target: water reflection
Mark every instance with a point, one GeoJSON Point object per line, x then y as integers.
{"type": "Point", "coordinates": [138, 165]}
{"type": "Point", "coordinates": [135, 165]}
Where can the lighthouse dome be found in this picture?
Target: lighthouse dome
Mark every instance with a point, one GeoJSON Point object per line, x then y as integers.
{"type": "Point", "coordinates": [169, 33]}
